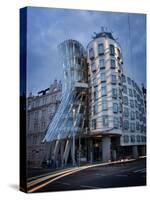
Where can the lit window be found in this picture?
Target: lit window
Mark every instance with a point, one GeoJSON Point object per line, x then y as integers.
{"type": "Point", "coordinates": [100, 49]}
{"type": "Point", "coordinates": [105, 120]}
{"type": "Point", "coordinates": [112, 49]}
{"type": "Point", "coordinates": [115, 107]}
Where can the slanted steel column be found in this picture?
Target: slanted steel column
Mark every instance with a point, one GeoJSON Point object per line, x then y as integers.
{"type": "Point", "coordinates": [66, 152]}
{"type": "Point", "coordinates": [56, 150]}
{"type": "Point", "coordinates": [62, 149]}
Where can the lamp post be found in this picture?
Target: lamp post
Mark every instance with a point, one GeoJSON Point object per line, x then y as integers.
{"type": "Point", "coordinates": [73, 139]}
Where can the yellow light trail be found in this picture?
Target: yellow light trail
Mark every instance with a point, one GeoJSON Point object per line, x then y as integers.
{"type": "Point", "coordinates": [67, 172]}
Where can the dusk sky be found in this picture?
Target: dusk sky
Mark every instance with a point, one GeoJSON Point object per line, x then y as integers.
{"type": "Point", "coordinates": [48, 27]}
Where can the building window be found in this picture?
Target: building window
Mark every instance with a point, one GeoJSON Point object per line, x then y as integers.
{"type": "Point", "coordinates": [125, 100]}
{"type": "Point", "coordinates": [120, 122]}
{"type": "Point", "coordinates": [113, 79]}
{"type": "Point", "coordinates": [104, 104]}
{"type": "Point", "coordinates": [126, 112]}
{"type": "Point", "coordinates": [112, 64]}
{"type": "Point", "coordinates": [116, 122]}
{"type": "Point", "coordinates": [136, 104]}
{"type": "Point", "coordinates": [94, 123]}
{"type": "Point", "coordinates": [105, 120]}
{"type": "Point", "coordinates": [132, 138]}
{"type": "Point", "coordinates": [126, 138]}
{"type": "Point", "coordinates": [114, 93]}
{"type": "Point", "coordinates": [131, 103]}
{"type": "Point", "coordinates": [124, 89]}
{"type": "Point", "coordinates": [35, 126]}
{"type": "Point", "coordinates": [130, 93]}
{"type": "Point", "coordinates": [133, 83]}
{"type": "Point", "coordinates": [138, 138]}
{"type": "Point", "coordinates": [103, 90]}
{"type": "Point", "coordinates": [101, 49]}
{"type": "Point", "coordinates": [102, 63]}
{"type": "Point", "coordinates": [94, 82]}
{"type": "Point", "coordinates": [119, 53]}
{"type": "Point", "coordinates": [137, 115]}
{"type": "Point", "coordinates": [91, 54]}
{"type": "Point", "coordinates": [132, 127]}
{"type": "Point", "coordinates": [126, 124]}
{"type": "Point", "coordinates": [103, 77]}
{"type": "Point", "coordinates": [115, 107]}
{"type": "Point", "coordinates": [95, 93]}
{"type": "Point", "coordinates": [111, 50]}
{"type": "Point", "coordinates": [132, 115]}
{"type": "Point", "coordinates": [93, 67]}
{"type": "Point", "coordinates": [123, 78]}
{"type": "Point", "coordinates": [129, 80]}
{"type": "Point", "coordinates": [95, 108]}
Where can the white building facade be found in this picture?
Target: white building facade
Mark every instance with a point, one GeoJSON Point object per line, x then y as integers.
{"type": "Point", "coordinates": [117, 111]}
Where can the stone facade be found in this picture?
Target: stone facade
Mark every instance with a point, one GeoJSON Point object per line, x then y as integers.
{"type": "Point", "coordinates": [40, 111]}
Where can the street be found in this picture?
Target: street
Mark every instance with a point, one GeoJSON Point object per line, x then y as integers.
{"type": "Point", "coordinates": [115, 175]}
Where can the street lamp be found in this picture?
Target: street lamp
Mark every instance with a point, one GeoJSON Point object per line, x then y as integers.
{"type": "Point", "coordinates": [73, 138]}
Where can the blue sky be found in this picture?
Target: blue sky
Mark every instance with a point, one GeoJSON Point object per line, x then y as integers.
{"type": "Point", "coordinates": [47, 27]}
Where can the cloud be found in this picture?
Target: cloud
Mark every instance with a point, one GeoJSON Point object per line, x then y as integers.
{"type": "Point", "coordinates": [48, 27]}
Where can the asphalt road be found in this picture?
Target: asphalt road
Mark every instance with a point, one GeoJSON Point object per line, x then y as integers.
{"type": "Point", "coordinates": [117, 175]}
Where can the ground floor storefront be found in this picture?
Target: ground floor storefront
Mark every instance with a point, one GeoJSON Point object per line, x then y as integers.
{"type": "Point", "coordinates": [89, 150]}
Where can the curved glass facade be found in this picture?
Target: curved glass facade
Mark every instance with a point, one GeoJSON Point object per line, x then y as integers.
{"type": "Point", "coordinates": [66, 123]}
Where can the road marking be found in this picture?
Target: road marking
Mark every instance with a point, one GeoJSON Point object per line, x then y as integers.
{"type": "Point", "coordinates": [89, 186]}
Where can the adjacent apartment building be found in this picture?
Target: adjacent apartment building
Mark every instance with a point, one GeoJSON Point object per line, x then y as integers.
{"type": "Point", "coordinates": [41, 109]}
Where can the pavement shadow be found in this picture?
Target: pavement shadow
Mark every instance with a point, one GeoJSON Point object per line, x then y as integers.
{"type": "Point", "coordinates": [14, 187]}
